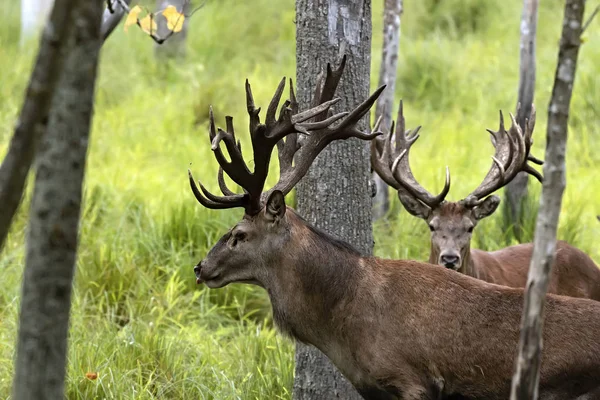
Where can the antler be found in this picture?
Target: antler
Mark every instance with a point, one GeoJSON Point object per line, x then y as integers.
{"type": "Point", "coordinates": [264, 137]}
{"type": "Point", "coordinates": [399, 175]}
{"type": "Point", "coordinates": [511, 156]}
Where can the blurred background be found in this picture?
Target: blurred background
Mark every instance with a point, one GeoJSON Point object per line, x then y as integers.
{"type": "Point", "coordinates": [138, 319]}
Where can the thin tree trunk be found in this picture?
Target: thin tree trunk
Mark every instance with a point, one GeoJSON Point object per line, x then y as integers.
{"type": "Point", "coordinates": [387, 76]}
{"type": "Point", "coordinates": [33, 119]}
{"type": "Point", "coordinates": [526, 378]}
{"type": "Point", "coordinates": [54, 216]}
{"type": "Point", "coordinates": [175, 46]}
{"type": "Point", "coordinates": [516, 190]}
{"type": "Point", "coordinates": [334, 194]}
{"type": "Point", "coordinates": [34, 113]}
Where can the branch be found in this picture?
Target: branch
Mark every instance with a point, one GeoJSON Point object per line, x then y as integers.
{"type": "Point", "coordinates": [526, 378]}
{"type": "Point", "coordinates": [34, 113]}
{"type": "Point", "coordinates": [114, 12]}
{"type": "Point", "coordinates": [590, 19]}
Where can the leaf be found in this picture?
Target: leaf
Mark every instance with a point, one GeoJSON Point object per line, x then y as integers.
{"type": "Point", "coordinates": [91, 375]}
{"type": "Point", "coordinates": [132, 17]}
{"type": "Point", "coordinates": [174, 18]}
{"type": "Point", "coordinates": [148, 24]}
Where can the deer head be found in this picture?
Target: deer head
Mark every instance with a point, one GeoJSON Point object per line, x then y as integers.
{"type": "Point", "coordinates": [251, 249]}
{"type": "Point", "coordinates": [452, 223]}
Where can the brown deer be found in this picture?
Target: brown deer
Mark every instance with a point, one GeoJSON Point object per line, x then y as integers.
{"type": "Point", "coordinates": [452, 223]}
{"type": "Point", "coordinates": [400, 330]}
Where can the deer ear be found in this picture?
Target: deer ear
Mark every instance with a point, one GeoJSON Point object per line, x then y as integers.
{"type": "Point", "coordinates": [413, 206]}
{"type": "Point", "coordinates": [487, 207]}
{"type": "Point", "coordinates": [275, 208]}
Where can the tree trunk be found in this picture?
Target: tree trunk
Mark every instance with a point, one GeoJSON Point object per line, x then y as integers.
{"type": "Point", "coordinates": [175, 46]}
{"type": "Point", "coordinates": [526, 378]}
{"type": "Point", "coordinates": [334, 195]}
{"type": "Point", "coordinates": [387, 76]}
{"type": "Point", "coordinates": [54, 217]}
{"type": "Point", "coordinates": [33, 119]}
{"type": "Point", "coordinates": [34, 14]}
{"type": "Point", "coordinates": [516, 190]}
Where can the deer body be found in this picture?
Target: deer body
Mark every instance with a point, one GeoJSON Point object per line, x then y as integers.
{"type": "Point", "coordinates": [404, 329]}
{"type": "Point", "coordinates": [452, 223]}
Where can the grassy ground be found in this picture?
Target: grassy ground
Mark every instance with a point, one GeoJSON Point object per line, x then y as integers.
{"type": "Point", "coordinates": [138, 319]}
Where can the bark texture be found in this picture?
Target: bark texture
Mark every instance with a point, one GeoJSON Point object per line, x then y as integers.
{"type": "Point", "coordinates": [387, 76]}
{"type": "Point", "coordinates": [334, 195]}
{"type": "Point", "coordinates": [175, 46]}
{"type": "Point", "coordinates": [516, 190]}
{"type": "Point", "coordinates": [526, 378]}
{"type": "Point", "coordinates": [34, 113]}
{"type": "Point", "coordinates": [52, 235]}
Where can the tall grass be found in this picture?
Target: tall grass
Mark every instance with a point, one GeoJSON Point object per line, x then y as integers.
{"type": "Point", "coordinates": [138, 319]}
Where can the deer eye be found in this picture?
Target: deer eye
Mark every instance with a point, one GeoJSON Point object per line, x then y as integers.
{"type": "Point", "coordinates": [237, 237]}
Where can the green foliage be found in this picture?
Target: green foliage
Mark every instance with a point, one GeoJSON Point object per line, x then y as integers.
{"type": "Point", "coordinates": [138, 318]}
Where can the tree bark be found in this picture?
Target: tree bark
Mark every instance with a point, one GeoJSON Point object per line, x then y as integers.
{"type": "Point", "coordinates": [34, 113]}
{"type": "Point", "coordinates": [516, 191]}
{"type": "Point", "coordinates": [387, 76]}
{"type": "Point", "coordinates": [54, 216]}
{"type": "Point", "coordinates": [175, 46]}
{"type": "Point", "coordinates": [526, 378]}
{"type": "Point", "coordinates": [34, 14]}
{"type": "Point", "coordinates": [335, 194]}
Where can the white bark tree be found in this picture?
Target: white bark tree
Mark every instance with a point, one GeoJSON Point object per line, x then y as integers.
{"type": "Point", "coordinates": [516, 190]}
{"type": "Point", "coordinates": [526, 378]}
{"type": "Point", "coordinates": [34, 14]}
{"type": "Point", "coordinates": [387, 76]}
{"type": "Point", "coordinates": [175, 46]}
{"type": "Point", "coordinates": [52, 233]}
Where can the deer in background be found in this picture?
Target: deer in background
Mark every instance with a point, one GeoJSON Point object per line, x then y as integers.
{"type": "Point", "coordinates": [398, 330]}
{"type": "Point", "coordinates": [451, 223]}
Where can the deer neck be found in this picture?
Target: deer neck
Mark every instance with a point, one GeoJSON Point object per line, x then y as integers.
{"type": "Point", "coordinates": [313, 279]}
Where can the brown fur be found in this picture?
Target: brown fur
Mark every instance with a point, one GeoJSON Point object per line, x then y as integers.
{"type": "Point", "coordinates": [403, 329]}
{"type": "Point", "coordinates": [574, 273]}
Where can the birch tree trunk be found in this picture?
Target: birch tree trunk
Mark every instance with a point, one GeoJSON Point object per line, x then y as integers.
{"type": "Point", "coordinates": [526, 378]}
{"type": "Point", "coordinates": [175, 46]}
{"type": "Point", "coordinates": [516, 190]}
{"type": "Point", "coordinates": [387, 76]}
{"type": "Point", "coordinates": [34, 14]}
{"type": "Point", "coordinates": [54, 217]}
{"type": "Point", "coordinates": [334, 195]}
{"type": "Point", "coordinates": [112, 17]}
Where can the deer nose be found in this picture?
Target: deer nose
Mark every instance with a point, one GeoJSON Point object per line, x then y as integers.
{"type": "Point", "coordinates": [450, 260]}
{"type": "Point", "coordinates": [197, 268]}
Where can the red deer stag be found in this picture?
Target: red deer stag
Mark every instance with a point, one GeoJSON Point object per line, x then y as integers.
{"type": "Point", "coordinates": [400, 330]}
{"type": "Point", "coordinates": [452, 223]}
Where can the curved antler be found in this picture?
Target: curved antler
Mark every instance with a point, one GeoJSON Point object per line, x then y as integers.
{"type": "Point", "coordinates": [393, 166]}
{"type": "Point", "coordinates": [316, 122]}
{"type": "Point", "coordinates": [510, 158]}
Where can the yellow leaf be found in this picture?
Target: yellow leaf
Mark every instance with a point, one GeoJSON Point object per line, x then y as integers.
{"type": "Point", "coordinates": [148, 24]}
{"type": "Point", "coordinates": [132, 17]}
{"type": "Point", "coordinates": [174, 18]}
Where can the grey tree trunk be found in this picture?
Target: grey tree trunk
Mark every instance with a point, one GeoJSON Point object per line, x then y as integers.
{"type": "Point", "coordinates": [175, 46]}
{"type": "Point", "coordinates": [34, 113]}
{"type": "Point", "coordinates": [33, 119]}
{"type": "Point", "coordinates": [526, 378]}
{"type": "Point", "coordinates": [34, 14]}
{"type": "Point", "coordinates": [335, 194]}
{"type": "Point", "coordinates": [54, 216]}
{"type": "Point", "coordinates": [387, 76]}
{"type": "Point", "coordinates": [516, 191]}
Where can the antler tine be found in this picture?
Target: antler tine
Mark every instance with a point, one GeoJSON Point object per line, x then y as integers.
{"type": "Point", "coordinates": [510, 158]}
{"type": "Point", "coordinates": [381, 154]}
{"type": "Point", "coordinates": [401, 170]}
{"type": "Point", "coordinates": [215, 202]}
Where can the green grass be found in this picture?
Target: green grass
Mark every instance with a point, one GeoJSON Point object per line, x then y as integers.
{"type": "Point", "coordinates": [138, 319]}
